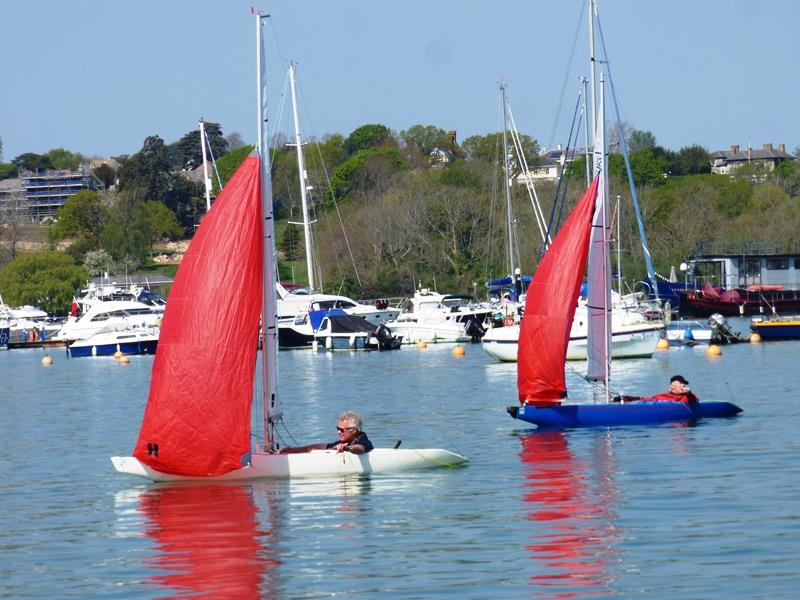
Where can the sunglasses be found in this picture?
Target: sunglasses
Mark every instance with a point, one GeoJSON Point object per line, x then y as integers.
{"type": "Point", "coordinates": [341, 429]}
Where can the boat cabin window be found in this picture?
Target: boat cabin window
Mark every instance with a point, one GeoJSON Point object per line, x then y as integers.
{"type": "Point", "coordinates": [101, 317]}
{"type": "Point", "coordinates": [777, 264]}
{"type": "Point", "coordinates": [797, 264]}
{"type": "Point", "coordinates": [138, 311]}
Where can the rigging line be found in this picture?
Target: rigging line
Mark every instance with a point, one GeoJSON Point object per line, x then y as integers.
{"type": "Point", "coordinates": [333, 197]}
{"type": "Point", "coordinates": [213, 160]}
{"type": "Point", "coordinates": [566, 76]}
{"type": "Point", "coordinates": [534, 197]}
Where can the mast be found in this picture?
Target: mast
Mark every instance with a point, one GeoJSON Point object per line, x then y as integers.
{"type": "Point", "coordinates": [587, 154]}
{"type": "Point", "coordinates": [507, 171]}
{"type": "Point", "coordinates": [592, 64]}
{"type": "Point", "coordinates": [206, 178]}
{"type": "Point", "coordinates": [269, 329]}
{"type": "Point", "coordinates": [301, 167]}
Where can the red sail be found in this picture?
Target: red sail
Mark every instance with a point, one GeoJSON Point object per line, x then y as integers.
{"type": "Point", "coordinates": [550, 307]}
{"type": "Point", "coordinates": [197, 420]}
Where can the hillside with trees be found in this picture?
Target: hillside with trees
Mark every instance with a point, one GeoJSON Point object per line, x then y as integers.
{"type": "Point", "coordinates": [393, 210]}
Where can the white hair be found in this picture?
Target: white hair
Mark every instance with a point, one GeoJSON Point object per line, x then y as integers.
{"type": "Point", "coordinates": [351, 418]}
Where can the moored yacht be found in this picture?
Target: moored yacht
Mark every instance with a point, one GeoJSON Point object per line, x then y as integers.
{"type": "Point", "coordinates": [111, 315]}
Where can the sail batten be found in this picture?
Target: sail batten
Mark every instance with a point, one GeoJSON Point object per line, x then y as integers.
{"type": "Point", "coordinates": [550, 306]}
{"type": "Point", "coordinates": [197, 420]}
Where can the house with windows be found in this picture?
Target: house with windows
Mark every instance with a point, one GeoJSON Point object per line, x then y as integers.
{"type": "Point", "coordinates": [41, 194]}
{"type": "Point", "coordinates": [550, 164]}
{"type": "Point", "coordinates": [745, 264]}
{"type": "Point", "coordinates": [726, 162]}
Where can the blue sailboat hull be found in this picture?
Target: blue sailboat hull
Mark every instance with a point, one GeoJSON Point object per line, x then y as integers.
{"type": "Point", "coordinates": [632, 413]}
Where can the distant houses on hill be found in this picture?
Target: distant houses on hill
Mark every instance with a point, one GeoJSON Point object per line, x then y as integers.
{"type": "Point", "coordinates": [42, 194]}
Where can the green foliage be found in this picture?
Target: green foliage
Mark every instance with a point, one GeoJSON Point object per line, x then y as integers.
{"type": "Point", "coordinates": [641, 140]}
{"type": "Point", "coordinates": [7, 170]}
{"type": "Point", "coordinates": [147, 171]}
{"type": "Point", "coordinates": [83, 215]}
{"type": "Point", "coordinates": [127, 235]}
{"type": "Point", "coordinates": [106, 174]}
{"type": "Point", "coordinates": [364, 170]}
{"type": "Point", "coordinates": [187, 151]}
{"type": "Point", "coordinates": [186, 200]}
{"type": "Point", "coordinates": [163, 224]}
{"type": "Point", "coordinates": [489, 148]}
{"type": "Point", "coordinates": [227, 165]}
{"type": "Point", "coordinates": [458, 175]}
{"type": "Point", "coordinates": [426, 138]}
{"type": "Point", "coordinates": [78, 249]}
{"type": "Point", "coordinates": [691, 160]}
{"type": "Point", "coordinates": [98, 262]}
{"type": "Point", "coordinates": [368, 136]}
{"type": "Point", "coordinates": [64, 159]}
{"type": "Point", "coordinates": [290, 242]}
{"type": "Point", "coordinates": [32, 162]}
{"type": "Point", "coordinates": [44, 279]}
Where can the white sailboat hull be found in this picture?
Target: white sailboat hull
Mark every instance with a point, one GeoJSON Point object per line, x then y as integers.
{"type": "Point", "coordinates": [317, 463]}
{"type": "Point", "coordinates": [636, 341]}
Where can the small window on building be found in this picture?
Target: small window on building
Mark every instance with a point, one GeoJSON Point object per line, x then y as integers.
{"type": "Point", "coordinates": [797, 264]}
{"type": "Point", "coordinates": [777, 264]}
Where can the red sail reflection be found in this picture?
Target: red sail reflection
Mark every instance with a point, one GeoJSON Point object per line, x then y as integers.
{"type": "Point", "coordinates": [209, 541]}
{"type": "Point", "coordinates": [575, 545]}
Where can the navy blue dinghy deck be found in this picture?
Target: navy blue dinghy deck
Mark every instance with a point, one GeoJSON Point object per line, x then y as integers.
{"type": "Point", "coordinates": [631, 413]}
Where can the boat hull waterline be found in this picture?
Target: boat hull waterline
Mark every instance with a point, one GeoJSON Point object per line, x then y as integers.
{"type": "Point", "coordinates": [632, 413]}
{"type": "Point", "coordinates": [317, 463]}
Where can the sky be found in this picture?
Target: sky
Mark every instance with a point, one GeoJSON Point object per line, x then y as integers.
{"type": "Point", "coordinates": [99, 76]}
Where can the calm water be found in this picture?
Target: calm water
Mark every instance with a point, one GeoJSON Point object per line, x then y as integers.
{"type": "Point", "coordinates": [705, 511]}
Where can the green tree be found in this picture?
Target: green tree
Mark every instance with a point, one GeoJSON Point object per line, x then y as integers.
{"type": "Point", "coordinates": [641, 140]}
{"type": "Point", "coordinates": [44, 279]}
{"type": "Point", "coordinates": [691, 160]}
{"type": "Point", "coordinates": [127, 234]}
{"type": "Point", "coordinates": [185, 198]}
{"type": "Point", "coordinates": [188, 152]}
{"type": "Point", "coordinates": [227, 164]}
{"type": "Point", "coordinates": [363, 170]}
{"type": "Point", "coordinates": [426, 138]}
{"type": "Point", "coordinates": [162, 222]}
{"type": "Point", "coordinates": [32, 162]}
{"type": "Point", "coordinates": [7, 170]}
{"type": "Point", "coordinates": [147, 171]}
{"type": "Point", "coordinates": [290, 242]}
{"type": "Point", "coordinates": [489, 148]}
{"type": "Point", "coordinates": [83, 215]}
{"type": "Point", "coordinates": [368, 136]}
{"type": "Point", "coordinates": [97, 262]}
{"type": "Point", "coordinates": [106, 174]}
{"type": "Point", "coordinates": [64, 159]}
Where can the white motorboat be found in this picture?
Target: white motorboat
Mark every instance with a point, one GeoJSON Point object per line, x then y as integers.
{"type": "Point", "coordinates": [688, 332]}
{"type": "Point", "coordinates": [136, 340]}
{"type": "Point", "coordinates": [108, 316]}
{"type": "Point", "coordinates": [433, 317]}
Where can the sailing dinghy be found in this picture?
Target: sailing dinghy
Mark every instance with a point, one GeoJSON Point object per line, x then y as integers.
{"type": "Point", "coordinates": [197, 423]}
{"type": "Point", "coordinates": [549, 311]}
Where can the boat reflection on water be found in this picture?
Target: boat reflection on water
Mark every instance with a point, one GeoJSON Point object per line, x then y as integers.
{"type": "Point", "coordinates": [572, 503]}
{"type": "Point", "coordinates": [211, 540]}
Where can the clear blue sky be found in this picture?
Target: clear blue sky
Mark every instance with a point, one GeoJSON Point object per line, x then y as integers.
{"type": "Point", "coordinates": [98, 76]}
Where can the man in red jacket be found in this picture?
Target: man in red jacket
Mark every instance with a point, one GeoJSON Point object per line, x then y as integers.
{"type": "Point", "coordinates": [678, 392]}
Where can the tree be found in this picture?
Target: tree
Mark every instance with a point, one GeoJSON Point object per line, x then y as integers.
{"type": "Point", "coordinates": [185, 199]}
{"type": "Point", "coordinates": [64, 159]}
{"type": "Point", "coordinates": [368, 136]}
{"type": "Point", "coordinates": [188, 152]}
{"type": "Point", "coordinates": [32, 162]}
{"type": "Point", "coordinates": [147, 171]}
{"type": "Point", "coordinates": [44, 279]}
{"type": "Point", "coordinates": [127, 234]}
{"type": "Point", "coordinates": [426, 138]}
{"type": "Point", "coordinates": [363, 170]}
{"type": "Point", "coordinates": [83, 215]}
{"type": "Point", "coordinates": [489, 148]}
{"type": "Point", "coordinates": [14, 214]}
{"type": "Point", "coordinates": [235, 140]}
{"type": "Point", "coordinates": [228, 164]}
{"type": "Point", "coordinates": [97, 262]}
{"type": "Point", "coordinates": [290, 242]}
{"type": "Point", "coordinates": [691, 160]}
{"type": "Point", "coordinates": [7, 170]}
{"type": "Point", "coordinates": [640, 140]}
{"type": "Point", "coordinates": [106, 174]}
{"type": "Point", "coordinates": [162, 222]}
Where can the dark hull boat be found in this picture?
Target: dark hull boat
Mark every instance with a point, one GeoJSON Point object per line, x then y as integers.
{"type": "Point", "coordinates": [739, 302]}
{"type": "Point", "coordinates": [634, 413]}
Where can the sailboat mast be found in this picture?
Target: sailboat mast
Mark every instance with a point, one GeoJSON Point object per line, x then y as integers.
{"type": "Point", "coordinates": [269, 329]}
{"type": "Point", "coordinates": [507, 171]}
{"type": "Point", "coordinates": [301, 167]}
{"type": "Point", "coordinates": [206, 178]}
{"type": "Point", "coordinates": [592, 65]}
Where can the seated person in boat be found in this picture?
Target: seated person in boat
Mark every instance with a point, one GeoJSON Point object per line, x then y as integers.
{"type": "Point", "coordinates": [351, 438]}
{"type": "Point", "coordinates": [678, 392]}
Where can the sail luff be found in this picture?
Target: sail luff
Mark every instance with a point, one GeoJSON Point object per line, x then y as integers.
{"type": "Point", "coordinates": [269, 306]}
{"type": "Point", "coordinates": [598, 303]}
{"type": "Point", "coordinates": [550, 307]}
